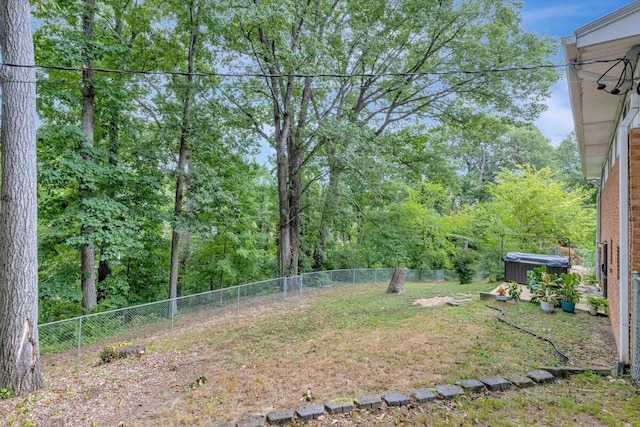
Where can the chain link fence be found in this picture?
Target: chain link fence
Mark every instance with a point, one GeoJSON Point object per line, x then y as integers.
{"type": "Point", "coordinates": [635, 328]}
{"type": "Point", "coordinates": [141, 320]}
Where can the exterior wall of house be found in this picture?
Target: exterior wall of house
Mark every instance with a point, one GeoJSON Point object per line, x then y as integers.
{"type": "Point", "coordinates": [609, 231]}
{"type": "Point", "coordinates": [634, 212]}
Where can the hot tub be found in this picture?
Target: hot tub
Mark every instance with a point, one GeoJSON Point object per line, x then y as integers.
{"type": "Point", "coordinates": [516, 265]}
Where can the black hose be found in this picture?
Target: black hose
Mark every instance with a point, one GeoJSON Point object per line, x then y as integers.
{"type": "Point", "coordinates": [563, 358]}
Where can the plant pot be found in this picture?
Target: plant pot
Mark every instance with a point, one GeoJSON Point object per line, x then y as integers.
{"type": "Point", "coordinates": [501, 297]}
{"type": "Point", "coordinates": [569, 307]}
{"type": "Point", "coordinates": [547, 307]}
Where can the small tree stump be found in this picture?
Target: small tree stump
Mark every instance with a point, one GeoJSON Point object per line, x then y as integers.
{"type": "Point", "coordinates": [397, 281]}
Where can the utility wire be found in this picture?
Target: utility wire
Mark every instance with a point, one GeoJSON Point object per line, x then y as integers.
{"type": "Point", "coordinates": [308, 75]}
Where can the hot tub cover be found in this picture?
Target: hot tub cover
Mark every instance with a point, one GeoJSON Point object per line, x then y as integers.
{"type": "Point", "coordinates": [548, 260]}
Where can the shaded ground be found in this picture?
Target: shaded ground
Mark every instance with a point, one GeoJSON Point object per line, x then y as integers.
{"type": "Point", "coordinates": [335, 343]}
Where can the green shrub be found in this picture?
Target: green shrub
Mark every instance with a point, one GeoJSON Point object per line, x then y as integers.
{"type": "Point", "coordinates": [464, 265]}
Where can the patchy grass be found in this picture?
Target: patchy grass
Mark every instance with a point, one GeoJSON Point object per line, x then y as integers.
{"type": "Point", "coordinates": [342, 343]}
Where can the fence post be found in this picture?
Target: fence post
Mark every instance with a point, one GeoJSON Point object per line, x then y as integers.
{"type": "Point", "coordinates": [635, 348]}
{"type": "Point", "coordinates": [354, 276]}
{"type": "Point", "coordinates": [80, 334]}
{"type": "Point", "coordinates": [300, 284]}
{"type": "Point", "coordinates": [238, 299]}
{"type": "Point", "coordinates": [172, 310]}
{"type": "Point", "coordinates": [284, 287]}
{"type": "Point", "coordinates": [375, 276]}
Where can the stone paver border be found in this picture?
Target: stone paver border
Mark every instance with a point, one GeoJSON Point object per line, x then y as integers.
{"type": "Point", "coordinates": [373, 402]}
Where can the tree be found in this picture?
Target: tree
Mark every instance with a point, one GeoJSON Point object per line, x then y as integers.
{"type": "Point", "coordinates": [485, 144]}
{"type": "Point", "coordinates": [195, 12]}
{"type": "Point", "coordinates": [87, 252]}
{"type": "Point", "coordinates": [568, 168]}
{"type": "Point", "coordinates": [400, 55]}
{"type": "Point", "coordinates": [19, 351]}
{"type": "Point", "coordinates": [533, 210]}
{"type": "Point", "coordinates": [98, 178]}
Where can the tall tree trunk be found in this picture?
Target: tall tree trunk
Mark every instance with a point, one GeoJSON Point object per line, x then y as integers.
{"type": "Point", "coordinates": [87, 252]}
{"type": "Point", "coordinates": [284, 223]}
{"type": "Point", "coordinates": [19, 350]}
{"type": "Point", "coordinates": [183, 157]}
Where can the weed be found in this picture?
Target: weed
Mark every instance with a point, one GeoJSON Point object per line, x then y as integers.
{"type": "Point", "coordinates": [5, 393]}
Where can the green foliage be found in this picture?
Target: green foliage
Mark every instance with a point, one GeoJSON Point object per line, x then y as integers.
{"type": "Point", "coordinates": [534, 277]}
{"type": "Point", "coordinates": [591, 279]}
{"type": "Point", "coordinates": [514, 291]}
{"type": "Point", "coordinates": [548, 289]}
{"type": "Point", "coordinates": [568, 284]}
{"type": "Point", "coordinates": [5, 393]}
{"type": "Point", "coordinates": [598, 303]}
{"type": "Point", "coordinates": [464, 264]}
{"type": "Point", "coordinates": [377, 189]}
{"type": "Point", "coordinates": [529, 202]}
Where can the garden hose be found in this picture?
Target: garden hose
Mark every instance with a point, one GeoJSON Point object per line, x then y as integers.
{"type": "Point", "coordinates": [563, 358]}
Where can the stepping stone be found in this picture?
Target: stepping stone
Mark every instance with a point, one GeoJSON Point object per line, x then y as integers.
{"type": "Point", "coordinates": [256, 421]}
{"type": "Point", "coordinates": [520, 381]}
{"type": "Point", "coordinates": [540, 376]}
{"type": "Point", "coordinates": [310, 412]}
{"type": "Point", "coordinates": [565, 371]}
{"type": "Point", "coordinates": [280, 417]}
{"type": "Point", "coordinates": [368, 402]}
{"type": "Point", "coordinates": [338, 408]}
{"type": "Point", "coordinates": [396, 399]}
{"type": "Point", "coordinates": [471, 385]}
{"type": "Point", "coordinates": [496, 383]}
{"type": "Point", "coordinates": [449, 391]}
{"type": "Point", "coordinates": [424, 395]}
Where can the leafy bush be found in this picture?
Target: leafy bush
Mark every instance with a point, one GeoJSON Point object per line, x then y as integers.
{"type": "Point", "coordinates": [464, 265]}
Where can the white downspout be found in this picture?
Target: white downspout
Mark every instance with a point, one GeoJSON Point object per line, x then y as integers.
{"type": "Point", "coordinates": [623, 284]}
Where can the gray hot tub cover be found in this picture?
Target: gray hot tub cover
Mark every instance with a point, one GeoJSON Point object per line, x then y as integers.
{"type": "Point", "coordinates": [548, 260]}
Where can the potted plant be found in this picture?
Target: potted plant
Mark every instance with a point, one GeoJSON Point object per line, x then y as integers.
{"type": "Point", "coordinates": [502, 294]}
{"type": "Point", "coordinates": [546, 293]}
{"type": "Point", "coordinates": [568, 292]}
{"type": "Point", "coordinates": [514, 291]}
{"type": "Point", "coordinates": [597, 303]}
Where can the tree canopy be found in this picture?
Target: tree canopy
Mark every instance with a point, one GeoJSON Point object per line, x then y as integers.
{"type": "Point", "coordinates": [401, 135]}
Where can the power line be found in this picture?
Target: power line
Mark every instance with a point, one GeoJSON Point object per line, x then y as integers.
{"type": "Point", "coordinates": [309, 75]}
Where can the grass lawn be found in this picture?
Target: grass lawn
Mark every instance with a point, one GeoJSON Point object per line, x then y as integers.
{"type": "Point", "coordinates": [341, 343]}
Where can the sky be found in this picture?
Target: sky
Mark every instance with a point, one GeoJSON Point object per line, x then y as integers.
{"type": "Point", "coordinates": [559, 18]}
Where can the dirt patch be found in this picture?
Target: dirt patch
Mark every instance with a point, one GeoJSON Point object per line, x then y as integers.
{"type": "Point", "coordinates": [434, 301]}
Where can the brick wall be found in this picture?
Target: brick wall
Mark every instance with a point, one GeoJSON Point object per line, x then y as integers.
{"type": "Point", "coordinates": [634, 210]}
{"type": "Point", "coordinates": [609, 221]}
{"type": "Point", "coordinates": [609, 229]}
